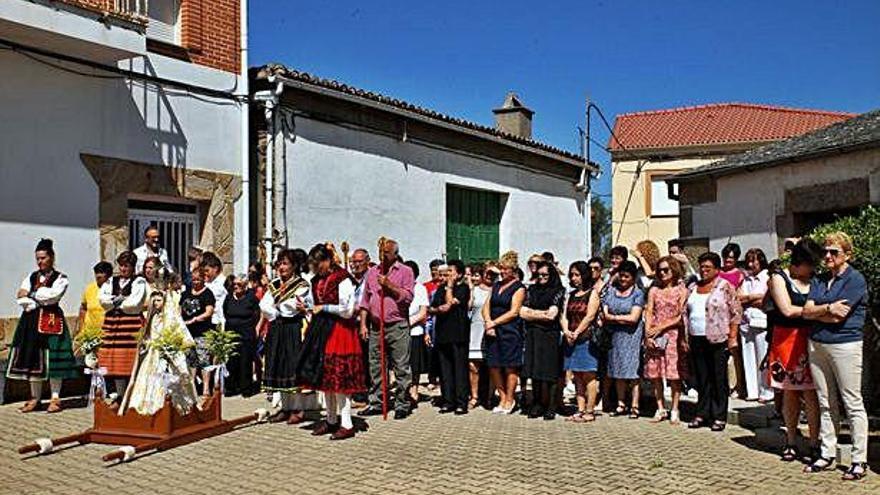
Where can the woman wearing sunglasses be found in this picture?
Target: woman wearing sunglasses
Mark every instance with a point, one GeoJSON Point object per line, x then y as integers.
{"type": "Point", "coordinates": [837, 303]}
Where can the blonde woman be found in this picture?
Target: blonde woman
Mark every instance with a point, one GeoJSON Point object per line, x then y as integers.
{"type": "Point", "coordinates": [647, 255]}
{"type": "Point", "coordinates": [504, 332]}
{"type": "Point", "coordinates": [837, 304]}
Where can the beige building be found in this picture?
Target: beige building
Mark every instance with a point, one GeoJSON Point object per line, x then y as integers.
{"type": "Point", "coordinates": [652, 146]}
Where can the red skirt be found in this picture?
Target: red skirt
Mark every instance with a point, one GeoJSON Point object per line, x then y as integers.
{"type": "Point", "coordinates": [343, 369]}
{"type": "Point", "coordinates": [119, 348]}
{"type": "Point", "coordinates": [788, 360]}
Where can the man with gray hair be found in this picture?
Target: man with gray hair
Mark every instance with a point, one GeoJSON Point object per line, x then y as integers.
{"type": "Point", "coordinates": [387, 294]}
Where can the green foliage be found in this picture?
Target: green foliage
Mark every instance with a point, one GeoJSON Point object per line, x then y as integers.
{"type": "Point", "coordinates": [600, 225]}
{"type": "Point", "coordinates": [88, 340]}
{"type": "Point", "coordinates": [221, 344]}
{"type": "Point", "coordinates": [864, 228]}
{"type": "Point", "coordinates": [169, 342]}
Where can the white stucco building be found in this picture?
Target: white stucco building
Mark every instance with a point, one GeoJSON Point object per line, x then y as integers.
{"type": "Point", "coordinates": [785, 189]}
{"type": "Point", "coordinates": [350, 165]}
{"type": "Point", "coordinates": [115, 116]}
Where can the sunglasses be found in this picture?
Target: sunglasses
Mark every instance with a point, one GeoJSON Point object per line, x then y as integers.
{"type": "Point", "coordinates": [543, 275]}
{"type": "Point", "coordinates": [831, 251]}
{"type": "Point", "coordinates": [596, 268]}
{"type": "Point", "coordinates": [664, 270]}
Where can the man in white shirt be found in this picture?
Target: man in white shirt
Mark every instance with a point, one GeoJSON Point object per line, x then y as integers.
{"type": "Point", "coordinates": [216, 282]}
{"type": "Point", "coordinates": [151, 249]}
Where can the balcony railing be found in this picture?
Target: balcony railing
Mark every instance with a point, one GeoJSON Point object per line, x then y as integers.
{"type": "Point", "coordinates": [130, 10]}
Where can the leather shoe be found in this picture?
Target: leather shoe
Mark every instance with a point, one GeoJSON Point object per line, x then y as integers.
{"type": "Point", "coordinates": [401, 414]}
{"type": "Point", "coordinates": [370, 411]}
{"type": "Point", "coordinates": [461, 411]}
{"type": "Point", "coordinates": [447, 409]}
{"type": "Point", "coordinates": [279, 417]}
{"type": "Point", "coordinates": [324, 428]}
{"type": "Point", "coordinates": [296, 418]}
{"type": "Point", "coordinates": [342, 434]}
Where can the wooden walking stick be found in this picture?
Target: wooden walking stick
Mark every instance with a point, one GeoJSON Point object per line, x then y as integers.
{"type": "Point", "coordinates": [382, 364]}
{"type": "Point", "coordinates": [344, 247]}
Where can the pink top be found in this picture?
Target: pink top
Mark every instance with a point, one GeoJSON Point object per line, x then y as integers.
{"type": "Point", "coordinates": [396, 302]}
{"type": "Point", "coordinates": [722, 309]}
{"type": "Point", "coordinates": [734, 277]}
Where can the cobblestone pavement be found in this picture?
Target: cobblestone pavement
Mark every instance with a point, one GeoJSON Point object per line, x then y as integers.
{"type": "Point", "coordinates": [427, 453]}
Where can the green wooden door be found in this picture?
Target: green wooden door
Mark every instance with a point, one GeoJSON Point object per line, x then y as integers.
{"type": "Point", "coordinates": [472, 224]}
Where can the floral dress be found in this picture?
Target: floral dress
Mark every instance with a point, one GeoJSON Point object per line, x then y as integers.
{"type": "Point", "coordinates": [664, 361]}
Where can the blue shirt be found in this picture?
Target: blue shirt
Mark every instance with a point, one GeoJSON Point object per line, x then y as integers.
{"type": "Point", "coordinates": [851, 286]}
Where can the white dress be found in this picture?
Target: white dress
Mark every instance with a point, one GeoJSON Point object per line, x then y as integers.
{"type": "Point", "coordinates": [475, 350]}
{"type": "Point", "coordinates": [157, 375]}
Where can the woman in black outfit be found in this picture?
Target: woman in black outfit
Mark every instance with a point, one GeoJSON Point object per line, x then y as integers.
{"type": "Point", "coordinates": [542, 311]}
{"type": "Point", "coordinates": [242, 311]}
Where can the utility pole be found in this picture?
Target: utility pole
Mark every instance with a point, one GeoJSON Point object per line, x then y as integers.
{"type": "Point", "coordinates": [588, 201]}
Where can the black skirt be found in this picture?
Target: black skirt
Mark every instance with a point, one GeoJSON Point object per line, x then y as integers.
{"type": "Point", "coordinates": [283, 346]}
{"type": "Point", "coordinates": [543, 353]}
{"type": "Point", "coordinates": [419, 360]}
{"type": "Point", "coordinates": [309, 367]}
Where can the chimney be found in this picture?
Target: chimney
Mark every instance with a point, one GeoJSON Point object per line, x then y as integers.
{"type": "Point", "coordinates": [513, 117]}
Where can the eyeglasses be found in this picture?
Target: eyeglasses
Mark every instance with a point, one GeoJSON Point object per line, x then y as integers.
{"type": "Point", "coordinates": [831, 251]}
{"type": "Point", "coordinates": [596, 268]}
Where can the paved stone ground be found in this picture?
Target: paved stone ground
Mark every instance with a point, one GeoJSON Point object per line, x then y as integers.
{"type": "Point", "coordinates": [427, 453]}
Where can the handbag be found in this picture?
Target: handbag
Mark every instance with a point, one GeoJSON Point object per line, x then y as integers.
{"type": "Point", "coordinates": [50, 321]}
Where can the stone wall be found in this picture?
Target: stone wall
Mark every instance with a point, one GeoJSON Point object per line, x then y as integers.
{"type": "Point", "coordinates": [117, 179]}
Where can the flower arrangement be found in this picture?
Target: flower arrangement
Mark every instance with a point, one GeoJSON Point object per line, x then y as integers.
{"type": "Point", "coordinates": [88, 340]}
{"type": "Point", "coordinates": [221, 344]}
{"type": "Point", "coordinates": [169, 342]}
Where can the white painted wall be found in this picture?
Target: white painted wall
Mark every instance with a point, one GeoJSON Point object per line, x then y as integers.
{"type": "Point", "coordinates": [747, 203]}
{"type": "Point", "coordinates": [352, 185]}
{"type": "Point", "coordinates": [49, 117]}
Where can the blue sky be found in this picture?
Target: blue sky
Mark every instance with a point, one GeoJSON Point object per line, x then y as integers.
{"type": "Point", "coordinates": [461, 57]}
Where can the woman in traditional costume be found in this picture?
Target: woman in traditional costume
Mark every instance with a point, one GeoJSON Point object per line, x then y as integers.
{"type": "Point", "coordinates": [41, 347]}
{"type": "Point", "coordinates": [284, 337]}
{"type": "Point", "coordinates": [123, 298]}
{"type": "Point", "coordinates": [162, 372]}
{"type": "Point", "coordinates": [331, 358]}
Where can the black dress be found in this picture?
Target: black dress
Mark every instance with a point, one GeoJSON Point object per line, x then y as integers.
{"type": "Point", "coordinates": [242, 316]}
{"type": "Point", "coordinates": [284, 338]}
{"type": "Point", "coordinates": [543, 349]}
{"type": "Point", "coordinates": [505, 349]}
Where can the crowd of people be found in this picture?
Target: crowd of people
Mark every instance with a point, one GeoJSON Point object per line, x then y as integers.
{"type": "Point", "coordinates": [793, 327]}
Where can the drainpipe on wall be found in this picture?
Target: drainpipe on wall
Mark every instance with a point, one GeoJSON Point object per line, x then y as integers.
{"type": "Point", "coordinates": [243, 254]}
{"type": "Point", "coordinates": [270, 100]}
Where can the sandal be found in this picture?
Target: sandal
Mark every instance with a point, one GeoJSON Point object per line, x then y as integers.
{"type": "Point", "coordinates": [674, 418]}
{"type": "Point", "coordinates": [634, 413]}
{"type": "Point", "coordinates": [659, 416]}
{"type": "Point", "coordinates": [718, 426]}
{"type": "Point", "coordinates": [54, 406]}
{"type": "Point", "coordinates": [588, 417]}
{"type": "Point", "coordinates": [789, 453]}
{"type": "Point", "coordinates": [698, 422]}
{"type": "Point", "coordinates": [29, 406]}
{"type": "Point", "coordinates": [620, 411]}
{"type": "Point", "coordinates": [856, 471]}
{"type": "Point", "coordinates": [819, 465]}
{"type": "Point", "coordinates": [577, 417]}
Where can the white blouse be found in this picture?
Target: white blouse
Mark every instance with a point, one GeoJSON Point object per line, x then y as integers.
{"type": "Point", "coordinates": [44, 296]}
{"type": "Point", "coordinates": [134, 303]}
{"type": "Point", "coordinates": [284, 309]}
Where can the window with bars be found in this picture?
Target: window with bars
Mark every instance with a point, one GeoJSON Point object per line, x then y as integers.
{"type": "Point", "coordinates": [178, 228]}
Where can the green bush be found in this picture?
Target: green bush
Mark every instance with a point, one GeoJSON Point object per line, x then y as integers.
{"type": "Point", "coordinates": [864, 228]}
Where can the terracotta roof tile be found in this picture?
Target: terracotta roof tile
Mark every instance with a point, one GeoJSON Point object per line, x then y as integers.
{"type": "Point", "coordinates": [308, 78]}
{"type": "Point", "coordinates": [721, 123]}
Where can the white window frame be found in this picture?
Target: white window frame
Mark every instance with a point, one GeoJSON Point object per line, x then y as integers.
{"type": "Point", "coordinates": [659, 204]}
{"type": "Point", "coordinates": [159, 30]}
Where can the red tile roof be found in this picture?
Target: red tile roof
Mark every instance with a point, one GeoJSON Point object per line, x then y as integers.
{"type": "Point", "coordinates": [720, 123]}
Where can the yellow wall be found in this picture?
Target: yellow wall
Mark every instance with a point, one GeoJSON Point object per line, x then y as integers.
{"type": "Point", "coordinates": [638, 225]}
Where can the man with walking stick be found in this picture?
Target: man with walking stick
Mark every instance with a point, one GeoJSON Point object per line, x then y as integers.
{"type": "Point", "coordinates": [384, 310]}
